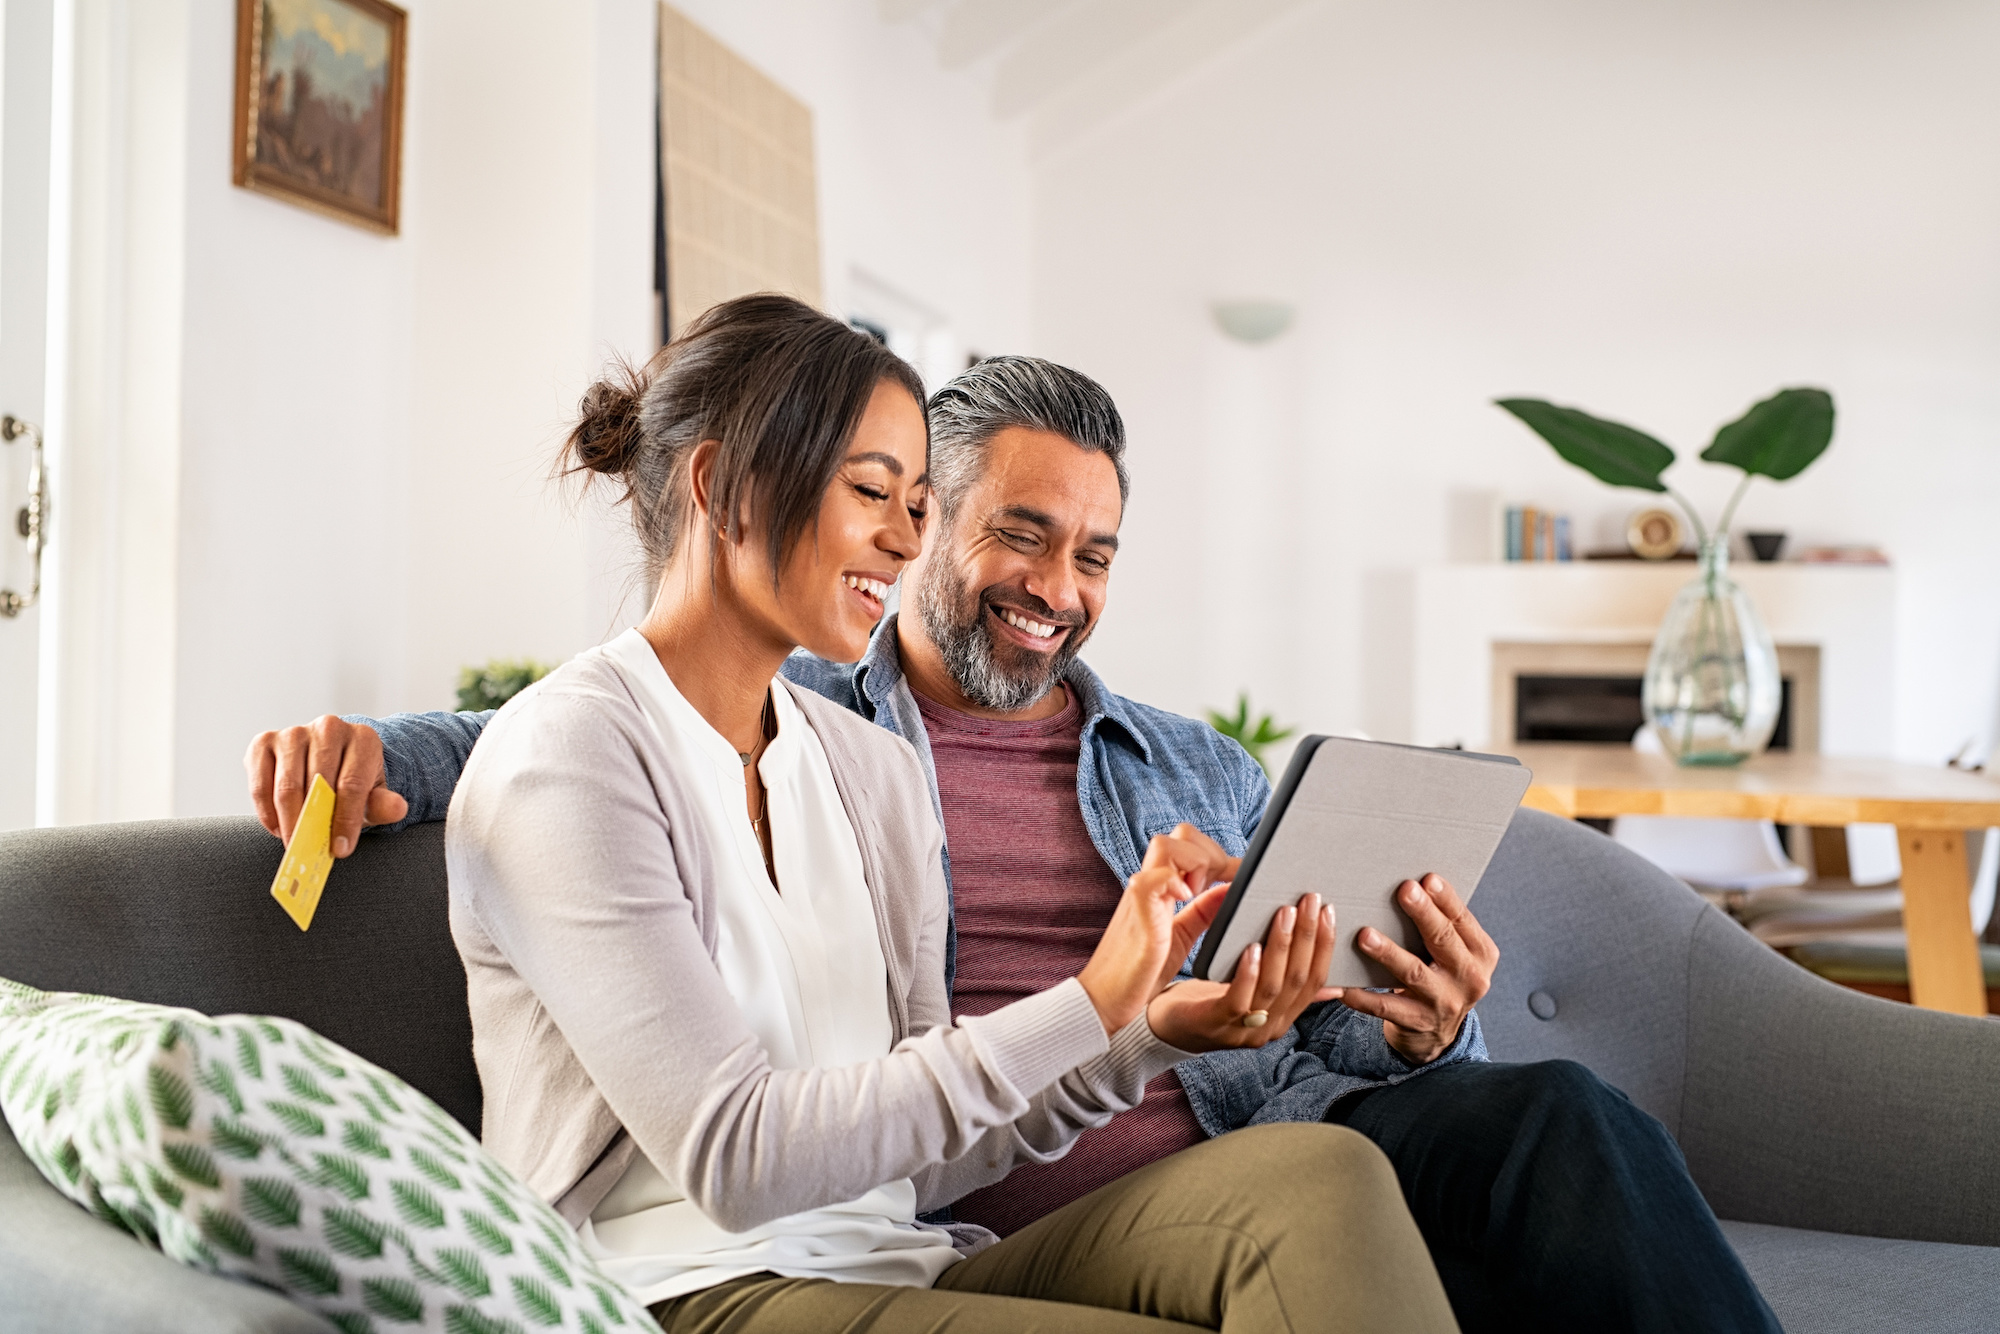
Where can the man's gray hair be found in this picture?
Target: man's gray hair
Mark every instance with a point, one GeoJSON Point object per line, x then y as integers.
{"type": "Point", "coordinates": [1000, 392]}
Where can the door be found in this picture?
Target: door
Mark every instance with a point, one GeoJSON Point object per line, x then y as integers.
{"type": "Point", "coordinates": [27, 30]}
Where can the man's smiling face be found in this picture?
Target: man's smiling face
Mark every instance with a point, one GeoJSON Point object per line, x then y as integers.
{"type": "Point", "coordinates": [1011, 586]}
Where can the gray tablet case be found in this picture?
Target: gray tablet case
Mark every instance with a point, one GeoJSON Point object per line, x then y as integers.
{"type": "Point", "coordinates": [1351, 820]}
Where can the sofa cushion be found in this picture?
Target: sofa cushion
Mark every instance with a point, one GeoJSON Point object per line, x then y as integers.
{"type": "Point", "coordinates": [252, 1148]}
{"type": "Point", "coordinates": [1831, 1283]}
{"type": "Point", "coordinates": [179, 912]}
{"type": "Point", "coordinates": [64, 1272]}
{"type": "Point", "coordinates": [1593, 959]}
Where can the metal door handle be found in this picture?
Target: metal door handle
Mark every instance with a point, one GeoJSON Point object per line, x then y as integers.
{"type": "Point", "coordinates": [32, 522]}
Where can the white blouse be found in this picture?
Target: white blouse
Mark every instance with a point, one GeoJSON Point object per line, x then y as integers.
{"type": "Point", "coordinates": [806, 967]}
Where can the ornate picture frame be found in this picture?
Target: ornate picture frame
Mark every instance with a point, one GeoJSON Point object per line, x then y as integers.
{"type": "Point", "coordinates": [319, 105]}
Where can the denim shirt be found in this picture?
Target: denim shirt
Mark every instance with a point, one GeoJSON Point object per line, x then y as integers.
{"type": "Point", "coordinates": [1140, 771]}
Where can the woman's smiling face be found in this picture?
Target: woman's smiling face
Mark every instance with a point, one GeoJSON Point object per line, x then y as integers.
{"type": "Point", "coordinates": [870, 527]}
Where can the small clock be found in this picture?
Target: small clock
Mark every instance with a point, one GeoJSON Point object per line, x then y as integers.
{"type": "Point", "coordinates": [1654, 534]}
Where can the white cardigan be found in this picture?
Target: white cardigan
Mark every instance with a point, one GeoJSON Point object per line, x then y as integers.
{"type": "Point", "coordinates": [803, 961]}
{"type": "Point", "coordinates": [583, 904]}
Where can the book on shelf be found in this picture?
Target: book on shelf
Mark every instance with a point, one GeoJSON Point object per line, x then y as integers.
{"type": "Point", "coordinates": [1534, 534]}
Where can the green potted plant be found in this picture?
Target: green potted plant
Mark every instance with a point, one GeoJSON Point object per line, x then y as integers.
{"type": "Point", "coordinates": [490, 686]}
{"type": "Point", "coordinates": [1253, 735]}
{"type": "Point", "coordinates": [1711, 691]}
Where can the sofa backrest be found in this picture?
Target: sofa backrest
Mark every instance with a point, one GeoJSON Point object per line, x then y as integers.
{"type": "Point", "coordinates": [178, 912]}
{"type": "Point", "coordinates": [1595, 944]}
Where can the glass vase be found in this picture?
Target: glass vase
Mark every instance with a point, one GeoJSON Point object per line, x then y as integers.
{"type": "Point", "coordinates": [1712, 687]}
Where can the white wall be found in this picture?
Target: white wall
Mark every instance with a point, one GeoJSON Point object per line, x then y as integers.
{"type": "Point", "coordinates": [1660, 212]}
{"type": "Point", "coordinates": [369, 420]}
{"type": "Point", "coordinates": [920, 187]}
{"type": "Point", "coordinates": [296, 434]}
{"type": "Point", "coordinates": [356, 431]}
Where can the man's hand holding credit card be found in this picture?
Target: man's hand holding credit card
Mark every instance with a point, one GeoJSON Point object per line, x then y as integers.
{"type": "Point", "coordinates": [308, 857]}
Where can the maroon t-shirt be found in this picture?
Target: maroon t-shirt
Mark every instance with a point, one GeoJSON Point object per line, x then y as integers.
{"type": "Point", "coordinates": [1032, 896]}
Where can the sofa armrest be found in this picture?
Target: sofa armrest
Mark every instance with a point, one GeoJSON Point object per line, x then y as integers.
{"type": "Point", "coordinates": [1812, 1106]}
{"type": "Point", "coordinates": [65, 1272]}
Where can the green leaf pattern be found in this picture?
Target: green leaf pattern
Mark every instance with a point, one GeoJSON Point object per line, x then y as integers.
{"type": "Point", "coordinates": [428, 1164]}
{"type": "Point", "coordinates": [301, 1121]}
{"type": "Point", "coordinates": [253, 1148]}
{"type": "Point", "coordinates": [233, 1139]}
{"type": "Point", "coordinates": [341, 1173]}
{"type": "Point", "coordinates": [464, 1271]}
{"type": "Point", "coordinates": [360, 1137]}
{"type": "Point", "coordinates": [490, 1235]}
{"type": "Point", "coordinates": [228, 1231]}
{"type": "Point", "coordinates": [393, 1299]}
{"type": "Point", "coordinates": [536, 1299]}
{"type": "Point", "coordinates": [303, 1086]}
{"type": "Point", "coordinates": [173, 1100]}
{"type": "Point", "coordinates": [418, 1206]}
{"type": "Point", "coordinates": [271, 1202]}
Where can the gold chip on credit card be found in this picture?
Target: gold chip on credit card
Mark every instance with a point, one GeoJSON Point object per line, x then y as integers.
{"type": "Point", "coordinates": [308, 857]}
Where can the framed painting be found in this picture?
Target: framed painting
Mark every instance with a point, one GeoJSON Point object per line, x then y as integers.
{"type": "Point", "coordinates": [319, 105]}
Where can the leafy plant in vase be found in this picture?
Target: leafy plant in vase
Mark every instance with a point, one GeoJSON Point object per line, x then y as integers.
{"type": "Point", "coordinates": [1712, 691]}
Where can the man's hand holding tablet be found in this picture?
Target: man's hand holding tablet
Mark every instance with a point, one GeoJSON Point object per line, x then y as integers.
{"type": "Point", "coordinates": [1421, 1018]}
{"type": "Point", "coordinates": [1356, 821]}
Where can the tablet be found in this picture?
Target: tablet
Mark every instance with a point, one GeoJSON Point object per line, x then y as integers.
{"type": "Point", "coordinates": [1352, 820]}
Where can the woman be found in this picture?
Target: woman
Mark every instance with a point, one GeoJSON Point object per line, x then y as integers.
{"type": "Point", "coordinates": [703, 918]}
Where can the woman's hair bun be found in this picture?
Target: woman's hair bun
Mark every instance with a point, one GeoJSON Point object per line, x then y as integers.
{"type": "Point", "coordinates": [606, 436]}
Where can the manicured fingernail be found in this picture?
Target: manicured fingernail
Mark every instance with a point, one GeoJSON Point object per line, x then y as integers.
{"type": "Point", "coordinates": [1337, 992]}
{"type": "Point", "coordinates": [1326, 914]}
{"type": "Point", "coordinates": [1286, 916]}
{"type": "Point", "coordinates": [1369, 936]}
{"type": "Point", "coordinates": [1253, 954]}
{"type": "Point", "coordinates": [340, 846]}
{"type": "Point", "coordinates": [1433, 884]}
{"type": "Point", "coordinates": [1411, 894]}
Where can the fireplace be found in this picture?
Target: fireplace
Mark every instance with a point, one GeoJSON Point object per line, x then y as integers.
{"type": "Point", "coordinates": [1590, 693]}
{"type": "Point", "coordinates": [1451, 644]}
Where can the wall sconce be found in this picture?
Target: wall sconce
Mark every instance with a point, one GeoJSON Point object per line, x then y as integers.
{"type": "Point", "coordinates": [1252, 321]}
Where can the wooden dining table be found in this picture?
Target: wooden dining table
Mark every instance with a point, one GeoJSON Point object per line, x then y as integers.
{"type": "Point", "coordinates": [1934, 808]}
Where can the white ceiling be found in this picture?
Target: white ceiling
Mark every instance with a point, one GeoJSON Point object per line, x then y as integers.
{"type": "Point", "coordinates": [1066, 65]}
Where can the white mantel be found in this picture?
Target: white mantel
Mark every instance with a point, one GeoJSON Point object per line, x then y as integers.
{"type": "Point", "coordinates": [1458, 612]}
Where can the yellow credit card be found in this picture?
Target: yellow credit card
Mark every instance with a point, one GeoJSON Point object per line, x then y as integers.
{"type": "Point", "coordinates": [308, 857]}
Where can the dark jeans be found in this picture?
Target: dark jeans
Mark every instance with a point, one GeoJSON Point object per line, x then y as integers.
{"type": "Point", "coordinates": [1550, 1202]}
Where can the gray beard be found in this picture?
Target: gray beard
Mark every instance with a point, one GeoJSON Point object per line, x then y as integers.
{"type": "Point", "coordinates": [954, 617]}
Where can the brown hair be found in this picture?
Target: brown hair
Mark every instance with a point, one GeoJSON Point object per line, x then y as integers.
{"type": "Point", "coordinates": [779, 385]}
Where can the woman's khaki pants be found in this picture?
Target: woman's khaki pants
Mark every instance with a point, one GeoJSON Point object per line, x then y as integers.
{"type": "Point", "coordinates": [1276, 1228]}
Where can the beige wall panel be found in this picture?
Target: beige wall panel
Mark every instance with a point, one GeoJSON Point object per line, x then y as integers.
{"type": "Point", "coordinates": [742, 202]}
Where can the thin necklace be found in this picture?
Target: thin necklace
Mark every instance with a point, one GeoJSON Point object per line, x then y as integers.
{"type": "Point", "coordinates": [765, 727]}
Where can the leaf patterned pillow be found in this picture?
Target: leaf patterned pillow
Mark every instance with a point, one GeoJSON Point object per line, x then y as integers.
{"type": "Point", "coordinates": [256, 1149]}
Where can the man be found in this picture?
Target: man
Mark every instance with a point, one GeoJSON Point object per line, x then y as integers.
{"type": "Point", "coordinates": [1547, 1199]}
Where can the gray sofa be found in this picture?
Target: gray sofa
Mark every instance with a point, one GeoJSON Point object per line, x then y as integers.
{"type": "Point", "coordinates": [1853, 1145]}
